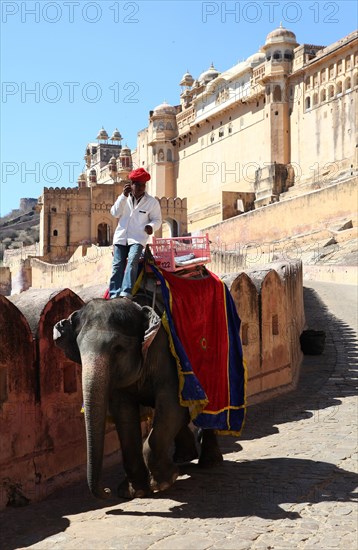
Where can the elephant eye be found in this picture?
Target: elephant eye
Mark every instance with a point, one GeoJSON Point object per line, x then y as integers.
{"type": "Point", "coordinates": [118, 348]}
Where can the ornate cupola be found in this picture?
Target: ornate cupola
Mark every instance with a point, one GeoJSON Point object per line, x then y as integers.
{"type": "Point", "coordinates": [112, 166]}
{"type": "Point", "coordinates": [279, 45]}
{"type": "Point", "coordinates": [102, 135]}
{"type": "Point", "coordinates": [81, 180]}
{"type": "Point", "coordinates": [187, 80]}
{"type": "Point", "coordinates": [125, 158]}
{"type": "Point", "coordinates": [93, 176]}
{"type": "Point", "coordinates": [208, 75]}
{"type": "Point", "coordinates": [116, 136]}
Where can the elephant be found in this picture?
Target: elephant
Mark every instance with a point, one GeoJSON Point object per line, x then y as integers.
{"type": "Point", "coordinates": [126, 364]}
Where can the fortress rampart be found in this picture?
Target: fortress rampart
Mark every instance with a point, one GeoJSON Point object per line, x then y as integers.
{"type": "Point", "coordinates": [283, 230]}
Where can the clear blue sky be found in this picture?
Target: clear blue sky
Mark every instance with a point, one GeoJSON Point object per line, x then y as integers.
{"type": "Point", "coordinates": [109, 63]}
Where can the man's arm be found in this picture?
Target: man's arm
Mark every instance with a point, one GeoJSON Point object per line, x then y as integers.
{"type": "Point", "coordinates": [155, 217]}
{"type": "Point", "coordinates": [119, 206]}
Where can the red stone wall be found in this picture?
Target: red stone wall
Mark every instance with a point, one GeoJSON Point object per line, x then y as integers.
{"type": "Point", "coordinates": [42, 432]}
{"type": "Point", "coordinates": [18, 406]}
{"type": "Point", "coordinates": [269, 303]}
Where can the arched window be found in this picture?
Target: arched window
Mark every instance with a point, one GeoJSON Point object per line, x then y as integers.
{"type": "Point", "coordinates": [308, 103]}
{"type": "Point", "coordinates": [277, 55]}
{"type": "Point", "coordinates": [288, 55]}
{"type": "Point", "coordinates": [323, 95]}
{"type": "Point", "coordinates": [308, 83]}
{"type": "Point", "coordinates": [103, 234]}
{"type": "Point", "coordinates": [212, 137]}
{"type": "Point", "coordinates": [277, 93]}
{"type": "Point", "coordinates": [348, 62]}
{"type": "Point", "coordinates": [169, 155]}
{"type": "Point", "coordinates": [160, 155]}
{"type": "Point", "coordinates": [55, 233]}
{"type": "Point", "coordinates": [331, 91]}
{"type": "Point", "coordinates": [315, 99]}
{"type": "Point", "coordinates": [339, 87]}
{"type": "Point", "coordinates": [356, 79]}
{"type": "Point", "coordinates": [347, 84]}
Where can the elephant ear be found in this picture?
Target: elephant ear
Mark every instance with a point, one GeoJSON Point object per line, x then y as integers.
{"type": "Point", "coordinates": [65, 335]}
{"type": "Point", "coordinates": [152, 324]}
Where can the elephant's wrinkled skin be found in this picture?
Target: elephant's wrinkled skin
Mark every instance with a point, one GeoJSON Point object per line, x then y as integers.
{"type": "Point", "coordinates": [120, 373]}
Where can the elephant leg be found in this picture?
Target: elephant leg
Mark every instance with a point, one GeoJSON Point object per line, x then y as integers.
{"type": "Point", "coordinates": [126, 416]}
{"type": "Point", "coordinates": [210, 454]}
{"type": "Point", "coordinates": [185, 447]}
{"type": "Point", "coordinates": [169, 417]}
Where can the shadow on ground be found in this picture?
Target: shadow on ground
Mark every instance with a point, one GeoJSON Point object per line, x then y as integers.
{"type": "Point", "coordinates": [255, 488]}
{"type": "Point", "coordinates": [235, 489]}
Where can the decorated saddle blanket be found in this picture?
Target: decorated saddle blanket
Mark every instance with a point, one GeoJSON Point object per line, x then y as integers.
{"type": "Point", "coordinates": [204, 333]}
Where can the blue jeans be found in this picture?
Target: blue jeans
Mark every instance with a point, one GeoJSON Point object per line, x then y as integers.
{"type": "Point", "coordinates": [124, 269]}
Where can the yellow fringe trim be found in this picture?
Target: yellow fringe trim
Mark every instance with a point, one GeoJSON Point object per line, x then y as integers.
{"type": "Point", "coordinates": [227, 432]}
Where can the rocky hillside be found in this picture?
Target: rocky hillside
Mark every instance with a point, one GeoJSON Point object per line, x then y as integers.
{"type": "Point", "coordinates": [20, 227]}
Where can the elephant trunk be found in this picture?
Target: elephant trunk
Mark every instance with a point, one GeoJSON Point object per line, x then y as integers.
{"type": "Point", "coordinates": [95, 385]}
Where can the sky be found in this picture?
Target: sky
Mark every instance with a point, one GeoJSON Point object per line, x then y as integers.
{"type": "Point", "coordinates": [69, 67]}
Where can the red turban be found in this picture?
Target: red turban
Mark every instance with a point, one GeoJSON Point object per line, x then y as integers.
{"type": "Point", "coordinates": [140, 175]}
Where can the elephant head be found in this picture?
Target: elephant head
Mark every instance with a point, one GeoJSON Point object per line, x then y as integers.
{"type": "Point", "coordinates": [110, 339]}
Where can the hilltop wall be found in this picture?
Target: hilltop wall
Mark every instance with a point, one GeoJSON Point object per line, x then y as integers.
{"type": "Point", "coordinates": [303, 214]}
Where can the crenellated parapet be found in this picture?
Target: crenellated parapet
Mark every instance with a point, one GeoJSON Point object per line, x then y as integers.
{"type": "Point", "coordinates": [55, 191]}
{"type": "Point", "coordinates": [175, 213]}
{"type": "Point", "coordinates": [269, 302]}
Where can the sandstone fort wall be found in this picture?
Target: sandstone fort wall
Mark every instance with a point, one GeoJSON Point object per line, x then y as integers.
{"type": "Point", "coordinates": [304, 214]}
{"type": "Point", "coordinates": [239, 243]}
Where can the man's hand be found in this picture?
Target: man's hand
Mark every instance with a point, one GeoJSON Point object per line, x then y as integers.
{"type": "Point", "coordinates": [148, 229]}
{"type": "Point", "coordinates": [127, 189]}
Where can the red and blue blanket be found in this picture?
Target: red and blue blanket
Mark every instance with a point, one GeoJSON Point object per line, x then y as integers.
{"type": "Point", "coordinates": [204, 333]}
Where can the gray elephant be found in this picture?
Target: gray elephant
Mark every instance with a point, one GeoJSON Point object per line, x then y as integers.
{"type": "Point", "coordinates": [126, 364]}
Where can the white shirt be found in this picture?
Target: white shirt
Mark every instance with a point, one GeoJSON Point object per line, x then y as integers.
{"type": "Point", "coordinates": [134, 217]}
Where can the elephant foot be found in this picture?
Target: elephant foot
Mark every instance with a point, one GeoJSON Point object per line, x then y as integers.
{"type": "Point", "coordinates": [128, 490]}
{"type": "Point", "coordinates": [181, 457]}
{"type": "Point", "coordinates": [185, 446]}
{"type": "Point", "coordinates": [157, 486]}
{"type": "Point", "coordinates": [210, 454]}
{"type": "Point", "coordinates": [210, 459]}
